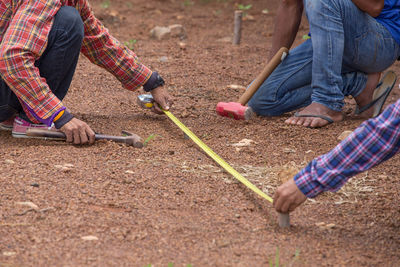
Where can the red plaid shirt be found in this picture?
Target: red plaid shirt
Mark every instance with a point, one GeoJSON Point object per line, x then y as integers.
{"type": "Point", "coordinates": [24, 29]}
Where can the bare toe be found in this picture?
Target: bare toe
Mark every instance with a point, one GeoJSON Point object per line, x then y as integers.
{"type": "Point", "coordinates": [291, 120]}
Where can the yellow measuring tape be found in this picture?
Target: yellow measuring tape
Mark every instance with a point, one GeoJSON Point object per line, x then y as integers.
{"type": "Point", "coordinates": [217, 158]}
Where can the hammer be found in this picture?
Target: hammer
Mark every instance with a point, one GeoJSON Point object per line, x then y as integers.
{"type": "Point", "coordinates": [238, 110]}
{"type": "Point", "coordinates": [128, 138]}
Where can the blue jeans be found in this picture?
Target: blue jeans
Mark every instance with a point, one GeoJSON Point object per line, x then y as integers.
{"type": "Point", "coordinates": [346, 44]}
{"type": "Point", "coordinates": [57, 64]}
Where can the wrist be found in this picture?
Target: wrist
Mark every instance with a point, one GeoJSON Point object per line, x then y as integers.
{"type": "Point", "coordinates": [153, 82]}
{"type": "Point", "coordinates": [64, 119]}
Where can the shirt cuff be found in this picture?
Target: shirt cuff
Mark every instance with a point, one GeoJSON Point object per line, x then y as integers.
{"type": "Point", "coordinates": [153, 82]}
{"type": "Point", "coordinates": [137, 81]}
{"type": "Point", "coordinates": [309, 186]}
{"type": "Point", "coordinates": [64, 119]}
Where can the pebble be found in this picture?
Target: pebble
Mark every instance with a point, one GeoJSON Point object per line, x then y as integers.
{"type": "Point", "coordinates": [89, 238]}
{"type": "Point", "coordinates": [63, 167]}
{"type": "Point", "coordinates": [35, 184]}
{"type": "Point", "coordinates": [9, 161]}
{"type": "Point", "coordinates": [130, 172]}
{"type": "Point", "coordinates": [236, 87]}
{"type": "Point", "coordinates": [325, 225]}
{"type": "Point", "coordinates": [225, 40]}
{"type": "Point", "coordinates": [243, 142]}
{"type": "Point", "coordinates": [68, 165]}
{"type": "Point", "coordinates": [330, 225]}
{"type": "Point", "coordinates": [164, 59]}
{"type": "Point", "coordinates": [289, 150]}
{"type": "Point", "coordinates": [58, 166]}
{"type": "Point", "coordinates": [249, 17]}
{"type": "Point", "coordinates": [343, 135]}
{"type": "Point", "coordinates": [182, 45]}
{"type": "Point", "coordinates": [265, 11]}
{"type": "Point", "coordinates": [28, 204]}
{"type": "Point", "coordinates": [160, 33]}
{"type": "Point", "coordinates": [9, 253]}
{"type": "Point", "coordinates": [185, 114]}
{"type": "Point", "coordinates": [177, 30]}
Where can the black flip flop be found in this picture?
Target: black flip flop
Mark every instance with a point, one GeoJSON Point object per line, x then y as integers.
{"type": "Point", "coordinates": [328, 119]}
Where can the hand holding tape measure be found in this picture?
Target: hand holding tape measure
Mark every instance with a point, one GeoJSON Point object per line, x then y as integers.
{"type": "Point", "coordinates": [164, 100]}
{"type": "Point", "coordinates": [146, 101]}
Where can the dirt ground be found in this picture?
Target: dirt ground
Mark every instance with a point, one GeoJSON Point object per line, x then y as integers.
{"type": "Point", "coordinates": [169, 203]}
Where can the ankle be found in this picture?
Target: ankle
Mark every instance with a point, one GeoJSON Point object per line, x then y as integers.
{"type": "Point", "coordinates": [366, 94]}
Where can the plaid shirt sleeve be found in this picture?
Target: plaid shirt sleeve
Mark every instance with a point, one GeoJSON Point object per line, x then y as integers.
{"type": "Point", "coordinates": [373, 142]}
{"type": "Point", "coordinates": [23, 42]}
{"type": "Point", "coordinates": [104, 50]}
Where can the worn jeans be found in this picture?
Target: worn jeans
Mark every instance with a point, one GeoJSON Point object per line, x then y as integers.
{"type": "Point", "coordinates": [346, 44]}
{"type": "Point", "coordinates": [57, 64]}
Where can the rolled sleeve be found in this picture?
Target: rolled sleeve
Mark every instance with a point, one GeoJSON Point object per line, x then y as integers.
{"type": "Point", "coordinates": [107, 52]}
{"type": "Point", "coordinates": [373, 142]}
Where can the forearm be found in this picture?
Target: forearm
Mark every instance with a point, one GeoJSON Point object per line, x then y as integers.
{"type": "Point", "coordinates": [375, 141]}
{"type": "Point", "coordinates": [372, 7]}
{"type": "Point", "coordinates": [102, 49]}
{"type": "Point", "coordinates": [287, 24]}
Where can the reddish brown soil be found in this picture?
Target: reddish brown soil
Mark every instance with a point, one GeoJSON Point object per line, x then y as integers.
{"type": "Point", "coordinates": [169, 202]}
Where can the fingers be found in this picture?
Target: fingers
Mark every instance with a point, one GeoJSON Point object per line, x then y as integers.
{"type": "Point", "coordinates": [162, 98]}
{"type": "Point", "coordinates": [164, 103]}
{"type": "Point", "coordinates": [156, 109]}
{"type": "Point", "coordinates": [281, 203]}
{"type": "Point", "coordinates": [91, 134]}
{"type": "Point", "coordinates": [276, 203]}
{"type": "Point", "coordinates": [168, 102]}
{"type": "Point", "coordinates": [78, 132]}
{"type": "Point", "coordinates": [77, 136]}
{"type": "Point", "coordinates": [69, 135]}
{"type": "Point", "coordinates": [288, 197]}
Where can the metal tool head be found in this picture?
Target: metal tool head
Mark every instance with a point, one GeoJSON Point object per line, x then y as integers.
{"type": "Point", "coordinates": [145, 101]}
{"type": "Point", "coordinates": [132, 139]}
{"type": "Point", "coordinates": [234, 110]}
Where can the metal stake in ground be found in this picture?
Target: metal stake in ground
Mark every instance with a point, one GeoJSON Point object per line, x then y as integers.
{"type": "Point", "coordinates": [237, 31]}
{"type": "Point", "coordinates": [284, 220]}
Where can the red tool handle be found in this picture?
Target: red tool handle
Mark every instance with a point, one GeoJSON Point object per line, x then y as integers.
{"type": "Point", "coordinates": [269, 68]}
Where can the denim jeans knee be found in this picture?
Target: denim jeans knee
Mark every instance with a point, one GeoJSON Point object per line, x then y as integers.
{"type": "Point", "coordinates": [69, 20]}
{"type": "Point", "coordinates": [288, 87]}
{"type": "Point", "coordinates": [58, 62]}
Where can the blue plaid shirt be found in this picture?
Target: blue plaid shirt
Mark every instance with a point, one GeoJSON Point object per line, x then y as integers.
{"type": "Point", "coordinates": [373, 142]}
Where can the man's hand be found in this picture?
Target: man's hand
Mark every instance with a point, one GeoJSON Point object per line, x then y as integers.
{"type": "Point", "coordinates": [288, 197]}
{"type": "Point", "coordinates": [162, 98]}
{"type": "Point", "coordinates": [78, 132]}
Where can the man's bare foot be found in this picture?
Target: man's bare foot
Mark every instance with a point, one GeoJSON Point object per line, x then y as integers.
{"type": "Point", "coordinates": [315, 119]}
{"type": "Point", "coordinates": [366, 95]}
